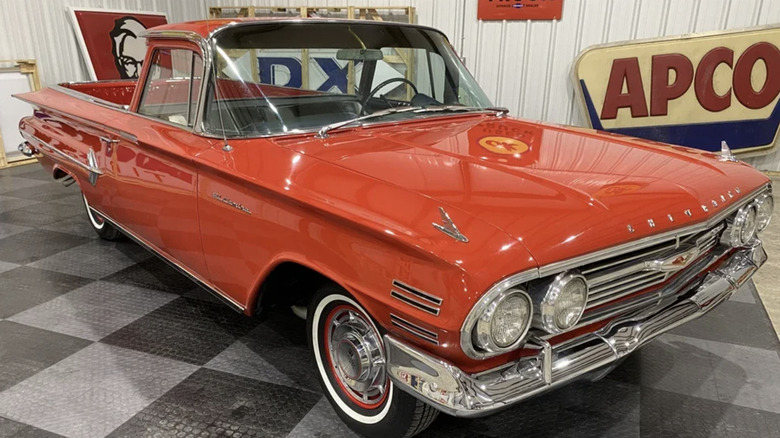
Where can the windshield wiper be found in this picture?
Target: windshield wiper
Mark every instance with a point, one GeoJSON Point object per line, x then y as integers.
{"type": "Point", "coordinates": [323, 132]}
{"type": "Point", "coordinates": [499, 111]}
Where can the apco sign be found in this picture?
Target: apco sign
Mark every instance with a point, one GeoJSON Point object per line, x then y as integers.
{"type": "Point", "coordinates": [520, 9]}
{"type": "Point", "coordinates": [693, 91]}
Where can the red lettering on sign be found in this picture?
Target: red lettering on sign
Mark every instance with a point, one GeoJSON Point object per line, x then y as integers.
{"type": "Point", "coordinates": [624, 70]}
{"type": "Point", "coordinates": [743, 87]}
{"type": "Point", "coordinates": [661, 91]}
{"type": "Point", "coordinates": [705, 73]}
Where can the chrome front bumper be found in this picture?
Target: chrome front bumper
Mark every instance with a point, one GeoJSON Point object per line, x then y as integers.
{"type": "Point", "coordinates": [455, 392]}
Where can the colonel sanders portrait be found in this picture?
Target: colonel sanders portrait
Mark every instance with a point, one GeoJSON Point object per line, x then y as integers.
{"type": "Point", "coordinates": [128, 47]}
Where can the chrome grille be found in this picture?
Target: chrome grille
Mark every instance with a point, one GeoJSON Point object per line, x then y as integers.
{"type": "Point", "coordinates": [620, 276]}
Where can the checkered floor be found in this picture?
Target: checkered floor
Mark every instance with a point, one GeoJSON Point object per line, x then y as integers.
{"type": "Point", "coordinates": [102, 339]}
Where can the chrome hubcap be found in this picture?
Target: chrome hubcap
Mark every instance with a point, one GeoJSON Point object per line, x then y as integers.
{"type": "Point", "coordinates": [357, 356]}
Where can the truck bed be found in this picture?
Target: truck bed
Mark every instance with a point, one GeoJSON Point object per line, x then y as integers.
{"type": "Point", "coordinates": [118, 92]}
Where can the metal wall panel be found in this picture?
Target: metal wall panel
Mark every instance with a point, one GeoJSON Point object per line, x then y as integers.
{"type": "Point", "coordinates": [41, 29]}
{"type": "Point", "coordinates": [524, 66]}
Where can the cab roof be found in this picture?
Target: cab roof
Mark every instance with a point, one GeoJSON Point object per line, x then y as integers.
{"type": "Point", "coordinates": [205, 27]}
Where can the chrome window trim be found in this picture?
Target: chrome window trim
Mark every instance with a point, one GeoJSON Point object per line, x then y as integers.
{"type": "Point", "coordinates": [161, 34]}
{"type": "Point", "coordinates": [262, 22]}
{"type": "Point", "coordinates": [109, 105]}
{"type": "Point", "coordinates": [558, 267]}
{"type": "Point", "coordinates": [187, 127]}
{"type": "Point", "coordinates": [208, 48]}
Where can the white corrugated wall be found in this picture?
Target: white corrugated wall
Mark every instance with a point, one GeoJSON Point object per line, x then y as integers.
{"type": "Point", "coordinates": [524, 66]}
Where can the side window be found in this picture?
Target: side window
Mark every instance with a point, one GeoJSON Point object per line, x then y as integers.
{"type": "Point", "coordinates": [171, 89]}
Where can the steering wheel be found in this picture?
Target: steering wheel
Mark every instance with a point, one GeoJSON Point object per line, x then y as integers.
{"type": "Point", "coordinates": [382, 85]}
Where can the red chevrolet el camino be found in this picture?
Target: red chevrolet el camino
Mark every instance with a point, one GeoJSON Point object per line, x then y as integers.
{"type": "Point", "coordinates": [447, 257]}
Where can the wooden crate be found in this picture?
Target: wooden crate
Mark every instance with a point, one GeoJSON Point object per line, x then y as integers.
{"type": "Point", "coordinates": [29, 68]}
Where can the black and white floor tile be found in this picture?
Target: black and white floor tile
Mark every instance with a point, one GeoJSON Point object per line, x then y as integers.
{"type": "Point", "coordinates": [102, 339]}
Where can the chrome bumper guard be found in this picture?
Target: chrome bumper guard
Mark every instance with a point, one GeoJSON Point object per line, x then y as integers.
{"type": "Point", "coordinates": [26, 149]}
{"type": "Point", "coordinates": [455, 392]}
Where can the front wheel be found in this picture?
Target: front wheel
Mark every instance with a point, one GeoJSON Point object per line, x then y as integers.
{"type": "Point", "coordinates": [350, 357]}
{"type": "Point", "coordinates": [103, 229]}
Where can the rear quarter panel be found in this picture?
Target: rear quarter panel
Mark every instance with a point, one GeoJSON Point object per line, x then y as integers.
{"type": "Point", "coordinates": [72, 126]}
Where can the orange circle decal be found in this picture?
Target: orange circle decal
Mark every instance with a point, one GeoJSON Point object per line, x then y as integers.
{"type": "Point", "coordinates": [503, 145]}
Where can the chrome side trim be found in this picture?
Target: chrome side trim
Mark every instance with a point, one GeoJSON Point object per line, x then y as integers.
{"type": "Point", "coordinates": [230, 302]}
{"type": "Point", "coordinates": [414, 329]}
{"type": "Point", "coordinates": [89, 98]}
{"type": "Point", "coordinates": [424, 295]}
{"type": "Point", "coordinates": [91, 167]}
{"type": "Point", "coordinates": [414, 303]}
{"type": "Point", "coordinates": [128, 136]}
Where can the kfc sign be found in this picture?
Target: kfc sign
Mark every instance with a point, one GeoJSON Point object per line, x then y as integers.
{"type": "Point", "coordinates": [111, 41]}
{"type": "Point", "coordinates": [693, 91]}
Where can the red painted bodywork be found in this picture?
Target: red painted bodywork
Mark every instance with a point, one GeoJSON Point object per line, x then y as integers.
{"type": "Point", "coordinates": [358, 206]}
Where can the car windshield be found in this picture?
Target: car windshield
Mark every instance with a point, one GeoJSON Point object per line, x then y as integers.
{"type": "Point", "coordinates": [279, 78]}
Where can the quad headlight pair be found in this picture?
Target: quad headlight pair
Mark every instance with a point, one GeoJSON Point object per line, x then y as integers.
{"type": "Point", "coordinates": [749, 221]}
{"type": "Point", "coordinates": [501, 320]}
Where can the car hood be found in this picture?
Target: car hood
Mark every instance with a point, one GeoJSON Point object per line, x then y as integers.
{"type": "Point", "coordinates": [561, 191]}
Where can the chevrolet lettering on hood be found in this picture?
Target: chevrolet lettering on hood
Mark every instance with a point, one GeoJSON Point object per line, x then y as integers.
{"type": "Point", "coordinates": [446, 257]}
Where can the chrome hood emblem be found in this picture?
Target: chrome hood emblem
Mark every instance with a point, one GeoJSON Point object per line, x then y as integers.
{"type": "Point", "coordinates": [675, 262]}
{"type": "Point", "coordinates": [725, 153]}
{"type": "Point", "coordinates": [449, 228]}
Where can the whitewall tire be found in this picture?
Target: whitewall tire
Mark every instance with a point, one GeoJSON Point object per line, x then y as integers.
{"type": "Point", "coordinates": [103, 229]}
{"type": "Point", "coordinates": [350, 358]}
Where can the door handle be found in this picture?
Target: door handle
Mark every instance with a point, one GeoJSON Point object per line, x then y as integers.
{"type": "Point", "coordinates": [129, 137]}
{"type": "Point", "coordinates": [109, 141]}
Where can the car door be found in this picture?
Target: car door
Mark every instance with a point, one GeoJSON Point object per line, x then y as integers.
{"type": "Point", "coordinates": [154, 181]}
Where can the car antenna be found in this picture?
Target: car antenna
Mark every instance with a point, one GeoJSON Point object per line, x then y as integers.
{"type": "Point", "coordinates": [225, 145]}
{"type": "Point", "coordinates": [213, 46]}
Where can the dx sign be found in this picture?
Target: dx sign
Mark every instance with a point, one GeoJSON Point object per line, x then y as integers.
{"type": "Point", "coordinates": [275, 70]}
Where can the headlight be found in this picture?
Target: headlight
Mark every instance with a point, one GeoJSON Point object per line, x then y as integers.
{"type": "Point", "coordinates": [504, 321]}
{"type": "Point", "coordinates": [749, 226]}
{"type": "Point", "coordinates": [764, 206]}
{"type": "Point", "coordinates": [563, 303]}
{"type": "Point", "coordinates": [743, 228]}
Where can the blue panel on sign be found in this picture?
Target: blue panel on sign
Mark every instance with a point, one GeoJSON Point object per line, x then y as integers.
{"type": "Point", "coordinates": [707, 136]}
